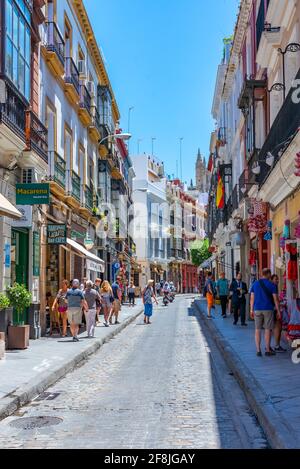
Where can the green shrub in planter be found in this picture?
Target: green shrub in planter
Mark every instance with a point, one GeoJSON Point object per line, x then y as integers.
{"type": "Point", "coordinates": [4, 301]}
{"type": "Point", "coordinates": [20, 299]}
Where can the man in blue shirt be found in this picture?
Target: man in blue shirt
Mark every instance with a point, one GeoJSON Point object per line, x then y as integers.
{"type": "Point", "coordinates": [263, 299]}
{"type": "Point", "coordinates": [76, 302]}
{"type": "Point", "coordinates": [223, 292]}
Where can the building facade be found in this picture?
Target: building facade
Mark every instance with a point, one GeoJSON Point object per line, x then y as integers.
{"type": "Point", "coordinates": [258, 89]}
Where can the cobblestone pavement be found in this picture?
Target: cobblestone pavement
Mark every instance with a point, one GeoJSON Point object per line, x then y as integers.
{"type": "Point", "coordinates": [153, 386]}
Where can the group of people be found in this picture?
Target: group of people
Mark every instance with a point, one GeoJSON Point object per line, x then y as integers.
{"type": "Point", "coordinates": [264, 306]}
{"type": "Point", "coordinates": [89, 298]}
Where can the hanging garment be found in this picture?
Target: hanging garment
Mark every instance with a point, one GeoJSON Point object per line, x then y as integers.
{"type": "Point", "coordinates": [284, 311]}
{"type": "Point", "coordinates": [294, 324]}
{"type": "Point", "coordinates": [292, 271]}
{"type": "Point", "coordinates": [286, 229]}
{"type": "Point", "coordinates": [297, 229]}
{"type": "Point", "coordinates": [252, 257]}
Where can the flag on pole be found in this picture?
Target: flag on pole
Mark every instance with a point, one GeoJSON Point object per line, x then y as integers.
{"type": "Point", "coordinates": [220, 199]}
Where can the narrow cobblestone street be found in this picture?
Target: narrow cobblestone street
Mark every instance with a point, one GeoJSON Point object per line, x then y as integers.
{"type": "Point", "coordinates": [150, 387]}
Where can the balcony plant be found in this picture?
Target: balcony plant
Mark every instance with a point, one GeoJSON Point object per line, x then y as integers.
{"type": "Point", "coordinates": [4, 301]}
{"type": "Point", "coordinates": [20, 299]}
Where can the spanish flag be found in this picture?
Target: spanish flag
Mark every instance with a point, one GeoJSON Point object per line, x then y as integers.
{"type": "Point", "coordinates": [220, 199]}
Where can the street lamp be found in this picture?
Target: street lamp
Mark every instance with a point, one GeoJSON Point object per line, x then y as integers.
{"type": "Point", "coordinates": [292, 47]}
{"type": "Point", "coordinates": [122, 136]}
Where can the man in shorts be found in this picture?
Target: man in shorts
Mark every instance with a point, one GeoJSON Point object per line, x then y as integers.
{"type": "Point", "coordinates": [263, 300]}
{"type": "Point", "coordinates": [117, 294]}
{"type": "Point", "coordinates": [76, 303]}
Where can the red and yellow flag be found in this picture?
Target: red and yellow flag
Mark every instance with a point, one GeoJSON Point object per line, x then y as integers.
{"type": "Point", "coordinates": [220, 199]}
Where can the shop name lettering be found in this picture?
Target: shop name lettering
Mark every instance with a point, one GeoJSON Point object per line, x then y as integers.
{"type": "Point", "coordinates": [296, 92]}
{"type": "Point", "coordinates": [296, 353]}
{"type": "Point", "coordinates": [163, 459]}
{"type": "Point", "coordinates": [32, 192]}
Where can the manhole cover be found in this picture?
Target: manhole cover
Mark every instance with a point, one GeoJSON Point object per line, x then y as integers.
{"type": "Point", "coordinates": [30, 423]}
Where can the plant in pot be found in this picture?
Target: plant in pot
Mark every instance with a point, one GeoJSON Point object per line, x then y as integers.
{"type": "Point", "coordinates": [20, 299]}
{"type": "Point", "coordinates": [6, 315]}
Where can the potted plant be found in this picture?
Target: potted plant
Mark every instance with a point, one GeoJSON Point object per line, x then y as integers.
{"type": "Point", "coordinates": [6, 315]}
{"type": "Point", "coordinates": [18, 333]}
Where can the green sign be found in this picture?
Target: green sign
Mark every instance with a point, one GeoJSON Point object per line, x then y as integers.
{"type": "Point", "coordinates": [36, 254]}
{"type": "Point", "coordinates": [33, 194]}
{"type": "Point", "coordinates": [56, 234]}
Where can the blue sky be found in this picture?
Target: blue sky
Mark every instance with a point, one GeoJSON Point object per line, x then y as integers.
{"type": "Point", "coordinates": [162, 58]}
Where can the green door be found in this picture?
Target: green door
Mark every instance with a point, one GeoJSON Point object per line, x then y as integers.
{"type": "Point", "coordinates": [19, 273]}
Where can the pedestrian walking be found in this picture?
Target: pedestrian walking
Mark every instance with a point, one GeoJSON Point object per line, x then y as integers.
{"type": "Point", "coordinates": [97, 287]}
{"type": "Point", "coordinates": [76, 303]}
{"type": "Point", "coordinates": [131, 294]}
{"type": "Point", "coordinates": [158, 288]}
{"type": "Point", "coordinates": [107, 301]}
{"type": "Point", "coordinates": [262, 302]}
{"type": "Point", "coordinates": [222, 287]}
{"type": "Point", "coordinates": [209, 293]}
{"type": "Point", "coordinates": [147, 295]}
{"type": "Point", "coordinates": [117, 295]}
{"type": "Point", "coordinates": [91, 296]}
{"type": "Point", "coordinates": [239, 290]}
{"type": "Point", "coordinates": [61, 303]}
{"type": "Point", "coordinates": [278, 322]}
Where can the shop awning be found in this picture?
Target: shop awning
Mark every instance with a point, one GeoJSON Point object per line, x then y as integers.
{"type": "Point", "coordinates": [87, 254]}
{"type": "Point", "coordinates": [7, 209]}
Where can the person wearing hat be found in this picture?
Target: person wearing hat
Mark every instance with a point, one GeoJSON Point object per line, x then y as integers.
{"type": "Point", "coordinates": [147, 295]}
{"type": "Point", "coordinates": [76, 303]}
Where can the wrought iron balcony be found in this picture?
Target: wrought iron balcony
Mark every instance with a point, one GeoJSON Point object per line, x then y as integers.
{"type": "Point", "coordinates": [235, 198]}
{"type": "Point", "coordinates": [36, 135]}
{"type": "Point", "coordinates": [72, 74]}
{"type": "Point", "coordinates": [75, 191]}
{"type": "Point", "coordinates": [57, 169]}
{"type": "Point", "coordinates": [55, 47]}
{"type": "Point", "coordinates": [89, 198]}
{"type": "Point", "coordinates": [282, 131]}
{"type": "Point", "coordinates": [12, 113]}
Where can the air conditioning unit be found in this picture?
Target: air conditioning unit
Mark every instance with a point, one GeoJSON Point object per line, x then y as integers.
{"type": "Point", "coordinates": [91, 88]}
{"type": "Point", "coordinates": [29, 176]}
{"type": "Point", "coordinates": [81, 68]}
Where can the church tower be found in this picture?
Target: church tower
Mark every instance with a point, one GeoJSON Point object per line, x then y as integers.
{"type": "Point", "coordinates": [201, 174]}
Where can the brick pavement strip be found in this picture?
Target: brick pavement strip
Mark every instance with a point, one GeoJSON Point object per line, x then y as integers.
{"type": "Point", "coordinates": [26, 391]}
{"type": "Point", "coordinates": [278, 430]}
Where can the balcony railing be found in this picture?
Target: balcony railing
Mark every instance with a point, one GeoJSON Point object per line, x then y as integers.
{"type": "Point", "coordinates": [75, 186]}
{"type": "Point", "coordinates": [36, 135]}
{"type": "Point", "coordinates": [89, 198]}
{"type": "Point", "coordinates": [55, 41]}
{"type": "Point", "coordinates": [57, 168]}
{"type": "Point", "coordinates": [85, 98]}
{"type": "Point", "coordinates": [244, 184]}
{"type": "Point", "coordinates": [235, 198]}
{"type": "Point", "coordinates": [96, 118]}
{"type": "Point", "coordinates": [72, 74]}
{"type": "Point", "coordinates": [284, 128]}
{"type": "Point", "coordinates": [12, 113]}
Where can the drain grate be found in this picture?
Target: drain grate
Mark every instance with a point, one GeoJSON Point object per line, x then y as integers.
{"type": "Point", "coordinates": [47, 396]}
{"type": "Point", "coordinates": [30, 423]}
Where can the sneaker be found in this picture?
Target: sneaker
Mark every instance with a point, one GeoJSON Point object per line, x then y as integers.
{"type": "Point", "coordinates": [106, 324]}
{"type": "Point", "coordinates": [75, 339]}
{"type": "Point", "coordinates": [280, 349]}
{"type": "Point", "coordinates": [270, 354]}
{"type": "Point", "coordinates": [117, 322]}
{"type": "Point", "coordinates": [258, 354]}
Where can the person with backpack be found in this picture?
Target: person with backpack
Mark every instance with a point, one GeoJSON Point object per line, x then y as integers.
{"type": "Point", "coordinates": [223, 293]}
{"type": "Point", "coordinates": [147, 295]}
{"type": "Point", "coordinates": [209, 294]}
{"type": "Point", "coordinates": [263, 301]}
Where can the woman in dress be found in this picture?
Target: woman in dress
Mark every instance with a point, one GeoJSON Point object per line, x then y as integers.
{"type": "Point", "coordinates": [61, 303]}
{"type": "Point", "coordinates": [107, 301]}
{"type": "Point", "coordinates": [147, 296]}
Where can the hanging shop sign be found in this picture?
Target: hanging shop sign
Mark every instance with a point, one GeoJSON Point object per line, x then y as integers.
{"type": "Point", "coordinates": [26, 220]}
{"type": "Point", "coordinates": [56, 234]}
{"type": "Point", "coordinates": [36, 253]}
{"type": "Point", "coordinates": [33, 194]}
{"type": "Point", "coordinates": [7, 255]}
